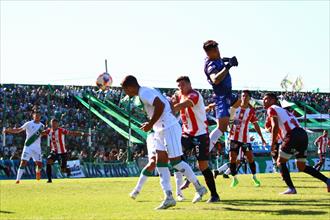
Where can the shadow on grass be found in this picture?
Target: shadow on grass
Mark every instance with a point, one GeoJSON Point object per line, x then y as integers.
{"type": "Point", "coordinates": [276, 202]}
{"type": "Point", "coordinates": [279, 212]}
{"type": "Point", "coordinates": [6, 212]}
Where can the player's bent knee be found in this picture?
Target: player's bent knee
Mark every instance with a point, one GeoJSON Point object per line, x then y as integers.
{"type": "Point", "coordinates": [301, 166]}
{"type": "Point", "coordinates": [23, 163]}
{"type": "Point", "coordinates": [151, 166]}
{"type": "Point", "coordinates": [203, 165]}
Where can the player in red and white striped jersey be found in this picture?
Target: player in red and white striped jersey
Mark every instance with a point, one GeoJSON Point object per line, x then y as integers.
{"type": "Point", "coordinates": [295, 142]}
{"type": "Point", "coordinates": [190, 104]}
{"type": "Point", "coordinates": [322, 143]}
{"type": "Point", "coordinates": [58, 150]}
{"type": "Point", "coordinates": [239, 136]}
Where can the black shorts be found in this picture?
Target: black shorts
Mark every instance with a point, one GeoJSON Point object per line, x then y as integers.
{"type": "Point", "coordinates": [295, 143]}
{"type": "Point", "coordinates": [200, 144]}
{"type": "Point", "coordinates": [61, 158]}
{"type": "Point", "coordinates": [236, 145]}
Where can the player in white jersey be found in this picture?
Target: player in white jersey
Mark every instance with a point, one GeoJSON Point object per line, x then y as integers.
{"type": "Point", "coordinates": [295, 142]}
{"type": "Point", "coordinates": [190, 104]}
{"type": "Point", "coordinates": [32, 149]}
{"type": "Point", "coordinates": [322, 143]}
{"type": "Point", "coordinates": [168, 135]}
{"type": "Point", "coordinates": [148, 170]}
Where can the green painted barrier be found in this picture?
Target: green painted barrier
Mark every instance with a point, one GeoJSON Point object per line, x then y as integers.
{"type": "Point", "coordinates": [110, 123]}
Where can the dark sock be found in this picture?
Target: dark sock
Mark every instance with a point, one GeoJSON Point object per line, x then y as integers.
{"type": "Point", "coordinates": [286, 175]}
{"type": "Point", "coordinates": [313, 172]}
{"type": "Point", "coordinates": [253, 167]}
{"type": "Point", "coordinates": [49, 172]}
{"type": "Point", "coordinates": [238, 167]}
{"type": "Point", "coordinates": [208, 176]}
{"type": "Point", "coordinates": [233, 170]}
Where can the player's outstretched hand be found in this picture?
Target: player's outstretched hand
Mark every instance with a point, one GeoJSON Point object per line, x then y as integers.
{"type": "Point", "coordinates": [146, 126]}
{"type": "Point", "coordinates": [233, 61]}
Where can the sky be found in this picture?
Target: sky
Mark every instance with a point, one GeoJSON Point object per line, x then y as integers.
{"type": "Point", "coordinates": [54, 42]}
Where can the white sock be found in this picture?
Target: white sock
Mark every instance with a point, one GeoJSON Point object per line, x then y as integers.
{"type": "Point", "coordinates": [223, 168]}
{"type": "Point", "coordinates": [227, 171]}
{"type": "Point", "coordinates": [141, 182]}
{"type": "Point", "coordinates": [186, 170]}
{"type": "Point", "coordinates": [165, 175]}
{"type": "Point", "coordinates": [20, 173]}
{"type": "Point", "coordinates": [214, 137]}
{"type": "Point", "coordinates": [178, 182]}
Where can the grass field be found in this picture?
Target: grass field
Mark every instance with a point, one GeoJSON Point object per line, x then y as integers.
{"type": "Point", "coordinates": [107, 198]}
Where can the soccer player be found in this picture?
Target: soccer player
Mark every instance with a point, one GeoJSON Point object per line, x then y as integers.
{"type": "Point", "coordinates": [168, 135]}
{"type": "Point", "coordinates": [32, 148]}
{"type": "Point", "coordinates": [190, 104]}
{"type": "Point", "coordinates": [322, 143]}
{"type": "Point", "coordinates": [295, 141]}
{"type": "Point", "coordinates": [239, 137]}
{"type": "Point", "coordinates": [217, 72]}
{"type": "Point", "coordinates": [149, 169]}
{"type": "Point", "coordinates": [58, 150]}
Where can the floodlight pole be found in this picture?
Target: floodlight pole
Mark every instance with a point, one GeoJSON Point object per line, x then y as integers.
{"type": "Point", "coordinates": [4, 117]}
{"type": "Point", "coordinates": [129, 148]}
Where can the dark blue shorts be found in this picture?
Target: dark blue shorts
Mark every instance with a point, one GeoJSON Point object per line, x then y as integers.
{"type": "Point", "coordinates": [222, 105]}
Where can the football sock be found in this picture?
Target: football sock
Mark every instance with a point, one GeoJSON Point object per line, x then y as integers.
{"type": "Point", "coordinates": [313, 172]}
{"type": "Point", "coordinates": [208, 176]}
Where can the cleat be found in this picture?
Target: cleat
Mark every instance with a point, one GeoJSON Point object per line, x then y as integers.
{"type": "Point", "coordinates": [234, 183]}
{"type": "Point", "coordinates": [216, 173]}
{"type": "Point", "coordinates": [289, 191]}
{"type": "Point", "coordinates": [213, 199]}
{"type": "Point", "coordinates": [199, 194]}
{"type": "Point", "coordinates": [49, 181]}
{"type": "Point", "coordinates": [17, 181]}
{"type": "Point", "coordinates": [180, 198]}
{"type": "Point", "coordinates": [185, 185]}
{"type": "Point", "coordinates": [328, 184]}
{"type": "Point", "coordinates": [134, 194]}
{"type": "Point", "coordinates": [38, 175]}
{"type": "Point", "coordinates": [256, 182]}
{"type": "Point", "coordinates": [225, 176]}
{"type": "Point", "coordinates": [167, 203]}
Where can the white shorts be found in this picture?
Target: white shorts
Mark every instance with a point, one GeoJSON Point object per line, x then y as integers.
{"type": "Point", "coordinates": [151, 145]}
{"type": "Point", "coordinates": [31, 151]}
{"type": "Point", "coordinates": [170, 140]}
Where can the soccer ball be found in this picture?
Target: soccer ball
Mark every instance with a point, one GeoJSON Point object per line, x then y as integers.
{"type": "Point", "coordinates": [104, 81]}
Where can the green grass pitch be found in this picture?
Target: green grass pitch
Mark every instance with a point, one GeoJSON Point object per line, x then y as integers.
{"type": "Point", "coordinates": [107, 198]}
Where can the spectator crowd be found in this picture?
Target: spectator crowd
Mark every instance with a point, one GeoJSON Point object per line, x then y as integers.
{"type": "Point", "coordinates": [107, 145]}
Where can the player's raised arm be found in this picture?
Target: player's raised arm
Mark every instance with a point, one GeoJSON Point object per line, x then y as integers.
{"type": "Point", "coordinates": [185, 104]}
{"type": "Point", "coordinates": [16, 130]}
{"type": "Point", "coordinates": [77, 133]}
{"type": "Point", "coordinates": [13, 130]}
